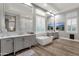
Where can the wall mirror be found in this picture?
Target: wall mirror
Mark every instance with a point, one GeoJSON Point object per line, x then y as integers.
{"type": "Point", "coordinates": [10, 23]}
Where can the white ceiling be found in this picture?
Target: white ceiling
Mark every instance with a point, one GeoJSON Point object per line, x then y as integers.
{"type": "Point", "coordinates": [20, 9]}
{"type": "Point", "coordinates": [59, 7]}
{"type": "Point", "coordinates": [46, 7]}
{"type": "Point", "coordinates": [62, 7]}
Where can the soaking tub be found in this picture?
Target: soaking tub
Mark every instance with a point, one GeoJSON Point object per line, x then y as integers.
{"type": "Point", "coordinates": [44, 40]}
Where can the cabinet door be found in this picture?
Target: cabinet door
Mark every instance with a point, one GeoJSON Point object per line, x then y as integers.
{"type": "Point", "coordinates": [27, 42]}
{"type": "Point", "coordinates": [18, 44]}
{"type": "Point", "coordinates": [33, 40]}
{"type": "Point", "coordinates": [6, 46]}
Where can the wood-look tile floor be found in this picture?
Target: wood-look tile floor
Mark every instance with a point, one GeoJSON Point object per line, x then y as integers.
{"type": "Point", "coordinates": [59, 47]}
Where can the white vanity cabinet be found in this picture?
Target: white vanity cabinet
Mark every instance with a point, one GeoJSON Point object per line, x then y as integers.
{"type": "Point", "coordinates": [6, 46]}
{"type": "Point", "coordinates": [33, 40]}
{"type": "Point", "coordinates": [29, 41]}
{"type": "Point", "coordinates": [18, 44]}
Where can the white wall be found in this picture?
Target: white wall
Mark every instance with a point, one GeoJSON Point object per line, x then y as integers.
{"type": "Point", "coordinates": [18, 10]}
{"type": "Point", "coordinates": [65, 33]}
{"type": "Point", "coordinates": [26, 24]}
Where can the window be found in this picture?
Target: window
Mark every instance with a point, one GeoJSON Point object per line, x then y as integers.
{"type": "Point", "coordinates": [40, 23]}
{"type": "Point", "coordinates": [51, 23]}
{"type": "Point", "coordinates": [72, 23]}
{"type": "Point", "coordinates": [40, 20]}
{"type": "Point", "coordinates": [59, 23]}
{"type": "Point", "coordinates": [26, 24]}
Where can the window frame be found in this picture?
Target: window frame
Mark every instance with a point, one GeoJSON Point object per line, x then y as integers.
{"type": "Point", "coordinates": [36, 23]}
{"type": "Point", "coordinates": [53, 21]}
{"type": "Point", "coordinates": [71, 18]}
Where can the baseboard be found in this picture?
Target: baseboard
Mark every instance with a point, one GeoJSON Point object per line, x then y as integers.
{"type": "Point", "coordinates": [77, 40]}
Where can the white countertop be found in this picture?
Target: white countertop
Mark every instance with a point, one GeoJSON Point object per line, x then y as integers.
{"type": "Point", "coordinates": [20, 35]}
{"type": "Point", "coordinates": [13, 36]}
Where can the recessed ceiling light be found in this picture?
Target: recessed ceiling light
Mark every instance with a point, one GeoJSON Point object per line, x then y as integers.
{"type": "Point", "coordinates": [48, 12]}
{"type": "Point", "coordinates": [52, 14]}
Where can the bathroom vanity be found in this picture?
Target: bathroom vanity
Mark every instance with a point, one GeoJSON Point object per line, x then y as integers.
{"type": "Point", "coordinates": [12, 44]}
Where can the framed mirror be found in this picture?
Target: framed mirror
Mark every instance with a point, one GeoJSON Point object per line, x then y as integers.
{"type": "Point", "coordinates": [10, 23]}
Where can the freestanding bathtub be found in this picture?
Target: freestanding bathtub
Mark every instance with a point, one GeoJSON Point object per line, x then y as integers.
{"type": "Point", "coordinates": [44, 40]}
